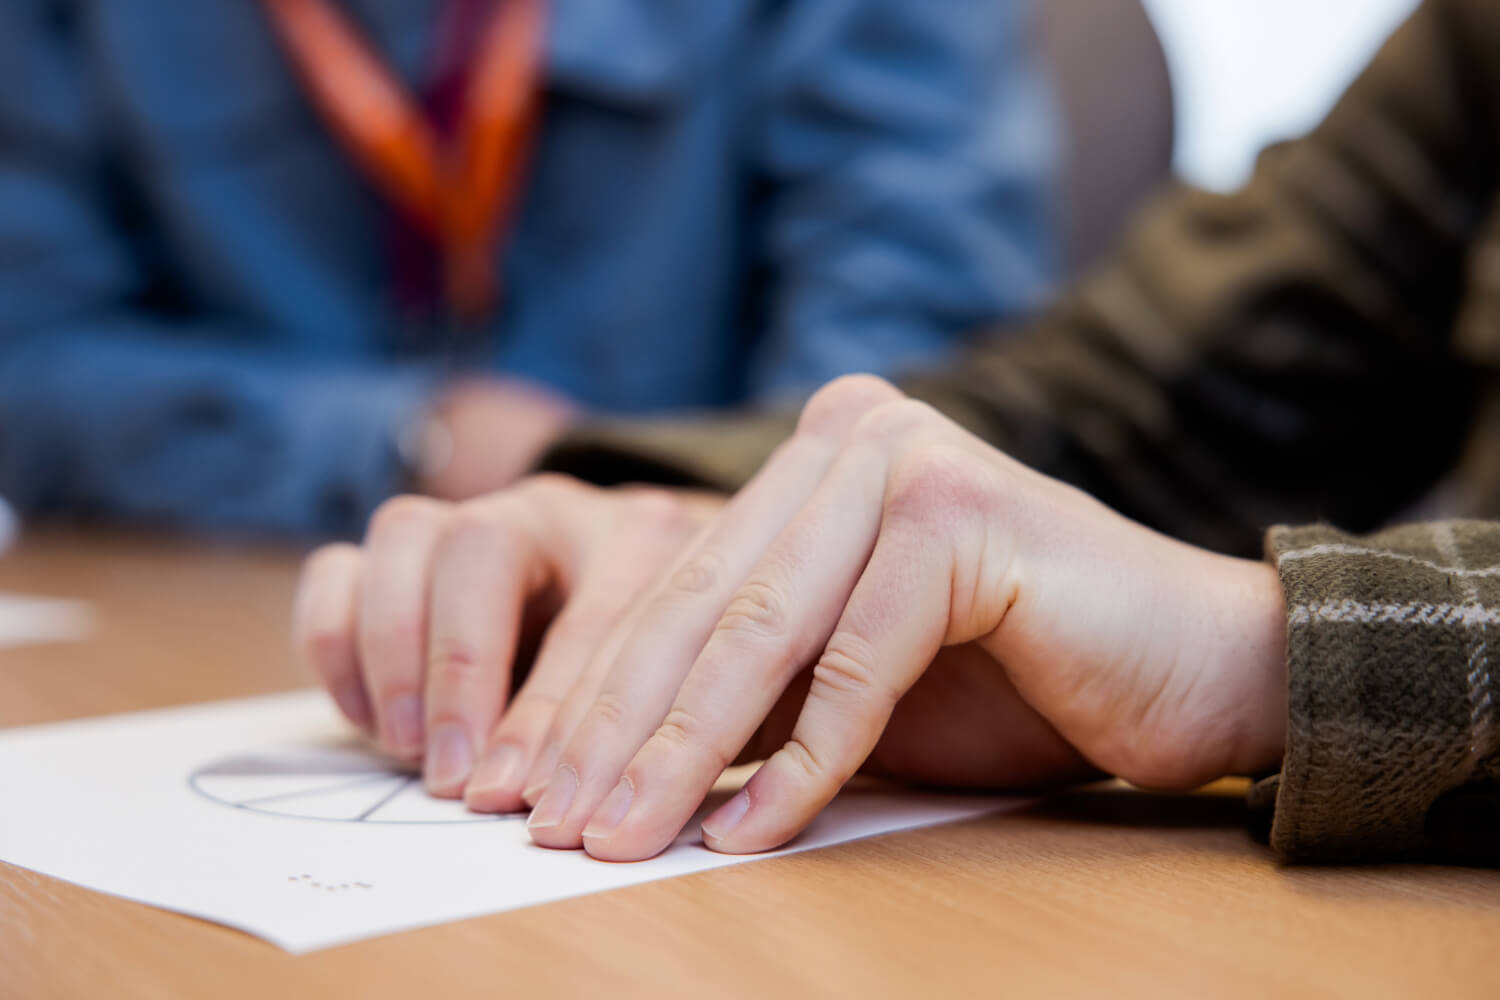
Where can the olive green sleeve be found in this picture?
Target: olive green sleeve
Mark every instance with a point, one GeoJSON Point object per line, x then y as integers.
{"type": "Point", "coordinates": [1393, 746]}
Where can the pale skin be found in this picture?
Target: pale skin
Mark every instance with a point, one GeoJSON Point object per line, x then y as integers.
{"type": "Point", "coordinates": [888, 595]}
{"type": "Point", "coordinates": [495, 430]}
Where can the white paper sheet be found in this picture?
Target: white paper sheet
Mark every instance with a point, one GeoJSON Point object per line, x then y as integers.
{"type": "Point", "coordinates": [262, 815]}
{"type": "Point", "coordinates": [25, 620]}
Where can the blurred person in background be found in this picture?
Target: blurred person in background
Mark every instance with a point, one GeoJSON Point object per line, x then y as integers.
{"type": "Point", "coordinates": [264, 264]}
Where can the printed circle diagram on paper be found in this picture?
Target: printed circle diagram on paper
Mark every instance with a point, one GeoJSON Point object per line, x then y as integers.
{"type": "Point", "coordinates": [334, 784]}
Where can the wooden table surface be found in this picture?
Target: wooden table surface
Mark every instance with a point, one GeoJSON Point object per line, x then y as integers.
{"type": "Point", "coordinates": [1098, 892]}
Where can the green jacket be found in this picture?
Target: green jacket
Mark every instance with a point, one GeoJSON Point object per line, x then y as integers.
{"type": "Point", "coordinates": [1320, 347]}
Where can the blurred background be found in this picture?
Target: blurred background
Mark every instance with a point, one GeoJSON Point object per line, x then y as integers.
{"type": "Point", "coordinates": [262, 266]}
{"type": "Point", "coordinates": [1246, 74]}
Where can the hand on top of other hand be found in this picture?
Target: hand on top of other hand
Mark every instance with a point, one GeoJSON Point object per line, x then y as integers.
{"type": "Point", "coordinates": [889, 594]}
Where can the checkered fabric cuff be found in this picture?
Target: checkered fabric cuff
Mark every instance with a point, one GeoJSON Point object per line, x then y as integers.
{"type": "Point", "coordinates": [1392, 691]}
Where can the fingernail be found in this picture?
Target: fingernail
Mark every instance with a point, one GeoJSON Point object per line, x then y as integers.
{"type": "Point", "coordinates": [354, 703]}
{"type": "Point", "coordinates": [724, 819]}
{"type": "Point", "coordinates": [499, 771]}
{"type": "Point", "coordinates": [546, 766]}
{"type": "Point", "coordinates": [556, 801]}
{"type": "Point", "coordinates": [611, 812]}
{"type": "Point", "coordinates": [449, 758]}
{"type": "Point", "coordinates": [404, 725]}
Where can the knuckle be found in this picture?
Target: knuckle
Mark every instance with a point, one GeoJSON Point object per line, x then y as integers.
{"type": "Point", "coordinates": [326, 559]}
{"type": "Point", "coordinates": [551, 484]}
{"type": "Point", "coordinates": [607, 710]}
{"type": "Point", "coordinates": [318, 607]}
{"type": "Point", "coordinates": [656, 510]}
{"type": "Point", "coordinates": [847, 669]}
{"type": "Point", "coordinates": [683, 731]}
{"type": "Point", "coordinates": [551, 495]}
{"type": "Point", "coordinates": [327, 649]}
{"type": "Point", "coordinates": [941, 482]}
{"type": "Point", "coordinates": [758, 609]}
{"type": "Point", "coordinates": [397, 632]}
{"type": "Point", "coordinates": [453, 663]}
{"type": "Point", "coordinates": [814, 771]}
{"type": "Point", "coordinates": [893, 420]}
{"type": "Point", "coordinates": [543, 490]}
{"type": "Point", "coordinates": [405, 512]}
{"type": "Point", "coordinates": [839, 404]}
{"type": "Point", "coordinates": [699, 575]}
{"type": "Point", "coordinates": [479, 524]}
{"type": "Point", "coordinates": [385, 690]}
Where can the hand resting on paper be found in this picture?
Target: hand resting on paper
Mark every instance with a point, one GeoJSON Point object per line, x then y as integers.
{"type": "Point", "coordinates": [889, 594]}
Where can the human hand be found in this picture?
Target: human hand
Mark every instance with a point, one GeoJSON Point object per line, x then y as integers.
{"type": "Point", "coordinates": [486, 433]}
{"type": "Point", "coordinates": [416, 634]}
{"type": "Point", "coordinates": [967, 620]}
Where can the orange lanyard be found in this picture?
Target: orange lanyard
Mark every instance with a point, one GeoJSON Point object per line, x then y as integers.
{"type": "Point", "coordinates": [461, 193]}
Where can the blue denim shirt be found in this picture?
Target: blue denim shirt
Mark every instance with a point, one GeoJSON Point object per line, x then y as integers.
{"type": "Point", "coordinates": [730, 199]}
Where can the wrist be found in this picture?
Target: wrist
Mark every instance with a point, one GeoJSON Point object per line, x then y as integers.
{"type": "Point", "coordinates": [1258, 664]}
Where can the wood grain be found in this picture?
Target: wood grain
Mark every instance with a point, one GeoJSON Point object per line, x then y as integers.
{"type": "Point", "coordinates": [1103, 891]}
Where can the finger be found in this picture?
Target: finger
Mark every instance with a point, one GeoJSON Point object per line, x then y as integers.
{"type": "Point", "coordinates": [572, 706]}
{"type": "Point", "coordinates": [653, 529]}
{"type": "Point", "coordinates": [489, 561]}
{"type": "Point", "coordinates": [393, 617]}
{"type": "Point", "coordinates": [580, 694]}
{"type": "Point", "coordinates": [777, 623]}
{"type": "Point", "coordinates": [672, 628]}
{"type": "Point", "coordinates": [323, 628]}
{"type": "Point", "coordinates": [670, 622]}
{"type": "Point", "coordinates": [891, 630]}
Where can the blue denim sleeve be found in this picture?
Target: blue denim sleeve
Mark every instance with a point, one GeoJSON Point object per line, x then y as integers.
{"type": "Point", "coordinates": [105, 411]}
{"type": "Point", "coordinates": [112, 417]}
{"type": "Point", "coordinates": [910, 148]}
